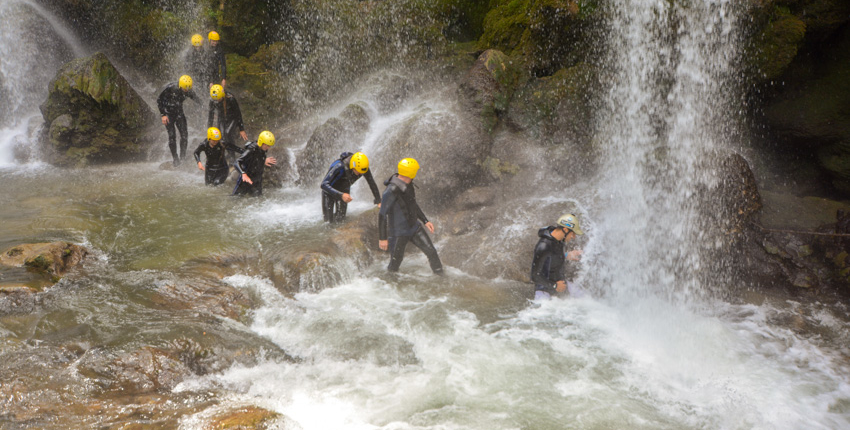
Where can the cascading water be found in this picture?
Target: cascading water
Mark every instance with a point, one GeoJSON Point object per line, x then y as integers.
{"type": "Point", "coordinates": [33, 44]}
{"type": "Point", "coordinates": [413, 351]}
{"type": "Point", "coordinates": [665, 117]}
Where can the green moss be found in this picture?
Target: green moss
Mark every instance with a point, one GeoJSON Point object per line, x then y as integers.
{"type": "Point", "coordinates": [496, 167]}
{"type": "Point", "coordinates": [778, 43]}
{"type": "Point", "coordinates": [504, 26]}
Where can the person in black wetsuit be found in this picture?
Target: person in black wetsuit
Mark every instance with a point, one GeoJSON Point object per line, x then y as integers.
{"type": "Point", "coordinates": [217, 64]}
{"type": "Point", "coordinates": [400, 216]}
{"type": "Point", "coordinates": [170, 104]}
{"type": "Point", "coordinates": [216, 169]}
{"type": "Point", "coordinates": [251, 165]}
{"type": "Point", "coordinates": [196, 60]}
{"type": "Point", "coordinates": [336, 187]}
{"type": "Point", "coordinates": [547, 266]}
{"type": "Point", "coordinates": [224, 108]}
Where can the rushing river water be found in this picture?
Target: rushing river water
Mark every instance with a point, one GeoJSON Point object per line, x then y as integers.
{"type": "Point", "coordinates": [642, 346]}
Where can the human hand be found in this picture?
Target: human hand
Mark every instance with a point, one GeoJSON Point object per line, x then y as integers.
{"type": "Point", "coordinates": [574, 255]}
{"type": "Point", "coordinates": [430, 227]}
{"type": "Point", "coordinates": [346, 197]}
{"type": "Point", "coordinates": [383, 244]}
{"type": "Point", "coordinates": [164, 120]}
{"type": "Point", "coordinates": [244, 135]}
{"type": "Point", "coordinates": [245, 178]}
{"type": "Point", "coordinates": [560, 286]}
{"type": "Point", "coordinates": [200, 166]}
{"type": "Point", "coordinates": [271, 161]}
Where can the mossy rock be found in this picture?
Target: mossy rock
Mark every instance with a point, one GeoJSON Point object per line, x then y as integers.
{"type": "Point", "coordinates": [94, 115]}
{"type": "Point", "coordinates": [777, 44]}
{"type": "Point", "coordinates": [489, 86]}
{"type": "Point", "coordinates": [39, 265]}
{"type": "Point", "coordinates": [557, 108]}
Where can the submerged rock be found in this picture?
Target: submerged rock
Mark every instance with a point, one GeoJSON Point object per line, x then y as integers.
{"type": "Point", "coordinates": [93, 115]}
{"type": "Point", "coordinates": [35, 266]}
{"type": "Point", "coordinates": [245, 418]}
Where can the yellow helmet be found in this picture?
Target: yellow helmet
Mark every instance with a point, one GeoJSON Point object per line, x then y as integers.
{"type": "Point", "coordinates": [213, 133]}
{"type": "Point", "coordinates": [570, 221]}
{"type": "Point", "coordinates": [216, 92]}
{"type": "Point", "coordinates": [185, 82]}
{"type": "Point", "coordinates": [359, 163]}
{"type": "Point", "coordinates": [266, 138]}
{"type": "Point", "coordinates": [197, 40]}
{"type": "Point", "coordinates": [408, 167]}
{"type": "Point", "coordinates": [213, 36]}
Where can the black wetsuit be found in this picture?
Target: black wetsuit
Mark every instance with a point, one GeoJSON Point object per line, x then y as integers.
{"type": "Point", "coordinates": [338, 181]}
{"type": "Point", "coordinates": [170, 104]}
{"type": "Point", "coordinates": [216, 168]}
{"type": "Point", "coordinates": [196, 64]}
{"type": "Point", "coordinates": [547, 267]}
{"type": "Point", "coordinates": [228, 118]}
{"type": "Point", "coordinates": [217, 65]}
{"type": "Point", "coordinates": [252, 162]}
{"type": "Point", "coordinates": [398, 222]}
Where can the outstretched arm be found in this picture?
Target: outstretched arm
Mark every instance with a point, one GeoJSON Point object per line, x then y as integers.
{"type": "Point", "coordinates": [373, 186]}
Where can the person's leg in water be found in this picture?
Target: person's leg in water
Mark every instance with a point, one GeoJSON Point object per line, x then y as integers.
{"type": "Point", "coordinates": [216, 175]}
{"type": "Point", "coordinates": [328, 207]}
{"type": "Point", "coordinates": [172, 141]}
{"type": "Point", "coordinates": [184, 135]}
{"type": "Point", "coordinates": [396, 247]}
{"type": "Point", "coordinates": [423, 242]}
{"type": "Point", "coordinates": [339, 211]}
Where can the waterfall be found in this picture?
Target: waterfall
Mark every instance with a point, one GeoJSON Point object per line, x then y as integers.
{"type": "Point", "coordinates": [669, 66]}
{"type": "Point", "coordinates": [33, 44]}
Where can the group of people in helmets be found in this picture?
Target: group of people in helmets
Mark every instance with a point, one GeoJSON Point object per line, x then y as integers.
{"type": "Point", "coordinates": [400, 219]}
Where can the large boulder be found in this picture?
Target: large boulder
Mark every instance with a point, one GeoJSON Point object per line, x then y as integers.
{"type": "Point", "coordinates": [93, 115]}
{"type": "Point", "coordinates": [489, 85]}
{"type": "Point", "coordinates": [340, 133]}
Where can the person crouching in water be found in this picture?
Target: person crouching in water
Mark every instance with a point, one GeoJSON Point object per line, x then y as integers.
{"type": "Point", "coordinates": [547, 267]}
{"type": "Point", "coordinates": [400, 216]}
{"type": "Point", "coordinates": [215, 172]}
{"type": "Point", "coordinates": [336, 187]}
{"type": "Point", "coordinates": [251, 164]}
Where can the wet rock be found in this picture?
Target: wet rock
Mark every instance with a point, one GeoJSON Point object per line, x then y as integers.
{"type": "Point", "coordinates": [36, 266]}
{"type": "Point", "coordinates": [245, 418]}
{"type": "Point", "coordinates": [146, 370]}
{"type": "Point", "coordinates": [93, 115]}
{"type": "Point", "coordinates": [203, 294]}
{"type": "Point", "coordinates": [337, 134]}
{"type": "Point", "coordinates": [323, 265]}
{"type": "Point", "coordinates": [557, 108]}
{"type": "Point", "coordinates": [487, 89]}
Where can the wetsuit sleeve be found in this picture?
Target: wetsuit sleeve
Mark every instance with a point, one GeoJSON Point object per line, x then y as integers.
{"type": "Point", "coordinates": [223, 65]}
{"type": "Point", "coordinates": [211, 114]}
{"type": "Point", "coordinates": [330, 179]}
{"type": "Point", "coordinates": [198, 152]}
{"type": "Point", "coordinates": [384, 213]}
{"type": "Point", "coordinates": [191, 94]}
{"type": "Point", "coordinates": [160, 101]}
{"type": "Point", "coordinates": [229, 146]}
{"type": "Point", "coordinates": [420, 214]}
{"type": "Point", "coordinates": [237, 114]}
{"type": "Point", "coordinates": [373, 186]}
{"type": "Point", "coordinates": [238, 163]}
{"type": "Point", "coordinates": [541, 252]}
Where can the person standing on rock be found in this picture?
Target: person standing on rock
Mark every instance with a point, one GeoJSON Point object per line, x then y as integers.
{"type": "Point", "coordinates": [224, 111]}
{"type": "Point", "coordinates": [251, 165]}
{"type": "Point", "coordinates": [196, 61]}
{"type": "Point", "coordinates": [170, 104]}
{"type": "Point", "coordinates": [217, 71]}
{"type": "Point", "coordinates": [336, 187]}
{"type": "Point", "coordinates": [547, 266]}
{"type": "Point", "coordinates": [400, 219]}
{"type": "Point", "coordinates": [215, 172]}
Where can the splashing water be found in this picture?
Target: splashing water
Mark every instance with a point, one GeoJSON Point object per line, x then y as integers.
{"type": "Point", "coordinates": [665, 118]}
